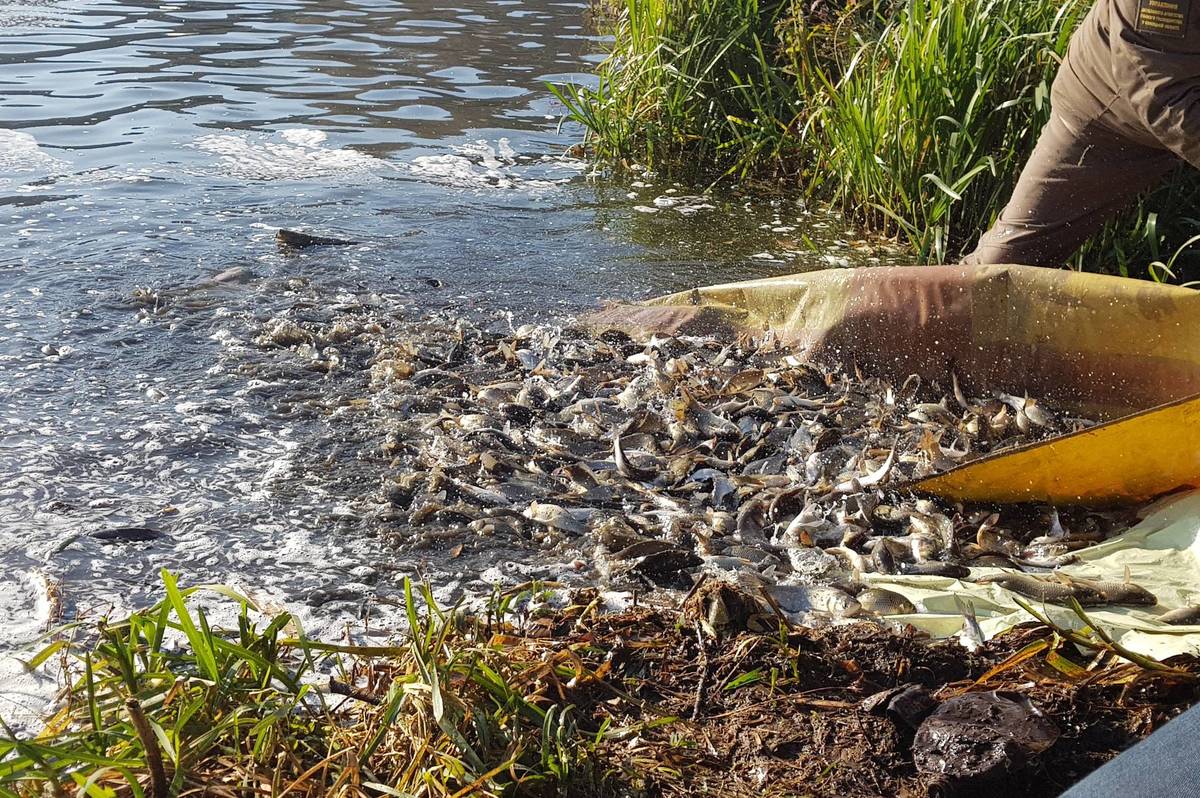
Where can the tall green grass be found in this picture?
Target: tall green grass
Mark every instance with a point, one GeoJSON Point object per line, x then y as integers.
{"type": "Point", "coordinates": [693, 86]}
{"type": "Point", "coordinates": [913, 116]}
{"type": "Point", "coordinates": [923, 129]}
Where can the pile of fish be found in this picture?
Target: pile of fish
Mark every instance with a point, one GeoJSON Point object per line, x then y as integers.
{"type": "Point", "coordinates": [664, 461]}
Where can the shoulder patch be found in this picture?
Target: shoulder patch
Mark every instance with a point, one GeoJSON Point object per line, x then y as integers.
{"type": "Point", "coordinates": [1163, 17]}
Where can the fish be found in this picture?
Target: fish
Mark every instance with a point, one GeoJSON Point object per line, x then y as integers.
{"type": "Point", "coordinates": [878, 601]}
{"type": "Point", "coordinates": [294, 239]}
{"type": "Point", "coordinates": [931, 568]}
{"type": "Point", "coordinates": [959, 396]}
{"type": "Point", "coordinates": [707, 422]}
{"type": "Point", "coordinates": [127, 534]}
{"type": "Point", "coordinates": [935, 412]}
{"type": "Point", "coordinates": [554, 517]}
{"type": "Point", "coordinates": [1183, 616]}
{"type": "Point", "coordinates": [1053, 591]}
{"type": "Point", "coordinates": [971, 635]}
{"type": "Point", "coordinates": [876, 477]}
{"type": "Point", "coordinates": [852, 558]}
{"type": "Point", "coordinates": [625, 467]}
{"type": "Point", "coordinates": [1114, 592]}
{"type": "Point", "coordinates": [814, 598]}
{"type": "Point", "coordinates": [708, 456]}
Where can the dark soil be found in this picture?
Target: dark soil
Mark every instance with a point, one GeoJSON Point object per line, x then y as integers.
{"type": "Point", "coordinates": [783, 714]}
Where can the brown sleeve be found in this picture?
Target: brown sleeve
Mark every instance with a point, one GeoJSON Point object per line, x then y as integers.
{"type": "Point", "coordinates": [1159, 77]}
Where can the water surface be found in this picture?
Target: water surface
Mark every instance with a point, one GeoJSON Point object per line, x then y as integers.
{"type": "Point", "coordinates": [147, 148]}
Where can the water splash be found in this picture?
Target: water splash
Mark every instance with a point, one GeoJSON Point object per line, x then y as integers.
{"type": "Point", "coordinates": [295, 154]}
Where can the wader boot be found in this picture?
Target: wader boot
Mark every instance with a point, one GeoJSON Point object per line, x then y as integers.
{"type": "Point", "coordinates": [1124, 112]}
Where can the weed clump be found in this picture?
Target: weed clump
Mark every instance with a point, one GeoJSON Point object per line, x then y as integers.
{"type": "Point", "coordinates": [163, 704]}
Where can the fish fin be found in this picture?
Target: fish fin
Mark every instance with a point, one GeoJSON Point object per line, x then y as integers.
{"type": "Point", "coordinates": [1128, 576]}
{"type": "Point", "coordinates": [971, 636]}
{"type": "Point", "coordinates": [1056, 528]}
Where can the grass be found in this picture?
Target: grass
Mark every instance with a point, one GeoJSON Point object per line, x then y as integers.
{"type": "Point", "coordinates": [913, 116]}
{"type": "Point", "coordinates": [162, 704]}
{"type": "Point", "coordinates": [694, 85]}
{"type": "Point", "coordinates": [521, 701]}
{"type": "Point", "coordinates": [924, 127]}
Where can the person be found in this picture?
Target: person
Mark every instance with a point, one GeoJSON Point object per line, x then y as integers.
{"type": "Point", "coordinates": [1124, 113]}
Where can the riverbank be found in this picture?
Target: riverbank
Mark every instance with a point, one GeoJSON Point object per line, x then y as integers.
{"type": "Point", "coordinates": [912, 116]}
{"type": "Point", "coordinates": [546, 692]}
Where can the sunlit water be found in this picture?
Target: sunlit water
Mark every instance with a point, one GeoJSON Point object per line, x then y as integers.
{"type": "Point", "coordinates": [145, 149]}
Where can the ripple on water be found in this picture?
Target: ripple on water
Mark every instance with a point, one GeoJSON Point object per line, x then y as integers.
{"type": "Point", "coordinates": [418, 111]}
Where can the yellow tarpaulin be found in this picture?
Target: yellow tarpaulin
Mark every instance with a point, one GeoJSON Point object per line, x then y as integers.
{"type": "Point", "coordinates": [1133, 459]}
{"type": "Point", "coordinates": [1094, 344]}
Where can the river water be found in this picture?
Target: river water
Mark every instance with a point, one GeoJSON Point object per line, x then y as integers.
{"type": "Point", "coordinates": [147, 148]}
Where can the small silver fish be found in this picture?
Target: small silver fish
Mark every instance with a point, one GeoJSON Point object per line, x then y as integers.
{"type": "Point", "coordinates": [971, 636]}
{"type": "Point", "coordinates": [814, 598]}
{"type": "Point", "coordinates": [1184, 616]}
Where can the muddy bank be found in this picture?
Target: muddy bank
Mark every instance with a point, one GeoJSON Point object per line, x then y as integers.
{"type": "Point", "coordinates": [543, 693]}
{"type": "Point", "coordinates": [805, 711]}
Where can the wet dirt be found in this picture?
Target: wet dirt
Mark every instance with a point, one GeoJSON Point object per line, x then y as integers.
{"type": "Point", "coordinates": [790, 712]}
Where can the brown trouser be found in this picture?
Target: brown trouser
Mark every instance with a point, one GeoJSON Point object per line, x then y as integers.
{"type": "Point", "coordinates": [1123, 111]}
{"type": "Point", "coordinates": [1079, 176]}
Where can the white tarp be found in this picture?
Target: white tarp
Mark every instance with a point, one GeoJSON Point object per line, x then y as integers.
{"type": "Point", "coordinates": [1161, 554]}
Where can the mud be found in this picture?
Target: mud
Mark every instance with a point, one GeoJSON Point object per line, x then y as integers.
{"type": "Point", "coordinates": [798, 712]}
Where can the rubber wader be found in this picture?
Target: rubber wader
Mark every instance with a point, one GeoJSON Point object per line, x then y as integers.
{"type": "Point", "coordinates": [1125, 111]}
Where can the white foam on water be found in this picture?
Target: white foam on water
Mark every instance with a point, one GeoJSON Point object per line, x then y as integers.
{"type": "Point", "coordinates": [21, 154]}
{"type": "Point", "coordinates": [25, 613]}
{"type": "Point", "coordinates": [482, 166]}
{"type": "Point", "coordinates": [304, 136]}
{"type": "Point", "coordinates": [294, 154]}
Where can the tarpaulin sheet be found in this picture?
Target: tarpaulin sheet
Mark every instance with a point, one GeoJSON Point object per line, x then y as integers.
{"type": "Point", "coordinates": [1129, 460]}
{"type": "Point", "coordinates": [1161, 553]}
{"type": "Point", "coordinates": [1084, 340]}
{"type": "Point", "coordinates": [1094, 344]}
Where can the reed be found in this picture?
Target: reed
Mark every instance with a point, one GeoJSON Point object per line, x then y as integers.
{"type": "Point", "coordinates": [692, 87]}
{"type": "Point", "coordinates": [913, 117]}
{"type": "Point", "coordinates": [163, 704]}
{"type": "Point", "coordinates": [923, 129]}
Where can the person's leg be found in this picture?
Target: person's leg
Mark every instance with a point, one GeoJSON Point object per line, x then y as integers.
{"type": "Point", "coordinates": [1167, 764]}
{"type": "Point", "coordinates": [1078, 177]}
